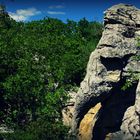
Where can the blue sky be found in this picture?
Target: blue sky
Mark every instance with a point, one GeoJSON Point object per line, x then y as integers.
{"type": "Point", "coordinates": [27, 10]}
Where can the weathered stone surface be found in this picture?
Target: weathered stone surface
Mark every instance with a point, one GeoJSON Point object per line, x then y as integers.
{"type": "Point", "coordinates": [88, 122]}
{"type": "Point", "coordinates": [107, 70]}
{"type": "Point", "coordinates": [131, 121]}
{"type": "Point", "coordinates": [67, 112]}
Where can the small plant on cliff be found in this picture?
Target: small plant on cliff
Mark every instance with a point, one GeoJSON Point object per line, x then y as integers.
{"type": "Point", "coordinates": [133, 75]}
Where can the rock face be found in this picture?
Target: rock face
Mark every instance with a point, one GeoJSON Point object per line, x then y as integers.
{"type": "Point", "coordinates": [87, 123]}
{"type": "Point", "coordinates": [109, 67]}
{"type": "Point", "coordinates": [68, 110]}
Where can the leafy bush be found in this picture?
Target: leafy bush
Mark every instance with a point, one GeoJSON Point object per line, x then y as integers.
{"type": "Point", "coordinates": [40, 62]}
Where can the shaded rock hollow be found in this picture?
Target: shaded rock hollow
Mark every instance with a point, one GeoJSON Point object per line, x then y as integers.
{"type": "Point", "coordinates": [107, 70]}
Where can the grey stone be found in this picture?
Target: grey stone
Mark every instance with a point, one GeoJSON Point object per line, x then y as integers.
{"type": "Point", "coordinates": [108, 67]}
{"type": "Point", "coordinates": [67, 112]}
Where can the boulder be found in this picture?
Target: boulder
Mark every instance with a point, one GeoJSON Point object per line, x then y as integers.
{"type": "Point", "coordinates": [109, 67]}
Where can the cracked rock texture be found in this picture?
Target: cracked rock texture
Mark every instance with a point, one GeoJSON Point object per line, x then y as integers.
{"type": "Point", "coordinates": [108, 68]}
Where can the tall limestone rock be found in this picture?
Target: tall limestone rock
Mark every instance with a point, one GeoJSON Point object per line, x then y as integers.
{"type": "Point", "coordinates": [109, 67]}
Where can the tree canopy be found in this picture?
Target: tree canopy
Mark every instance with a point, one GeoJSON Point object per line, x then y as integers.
{"type": "Point", "coordinates": [40, 62]}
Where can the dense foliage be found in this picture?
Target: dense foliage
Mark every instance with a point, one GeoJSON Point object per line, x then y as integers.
{"type": "Point", "coordinates": [40, 62]}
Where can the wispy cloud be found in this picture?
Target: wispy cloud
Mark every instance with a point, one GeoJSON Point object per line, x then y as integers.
{"type": "Point", "coordinates": [24, 14]}
{"type": "Point", "coordinates": [56, 7]}
{"type": "Point", "coordinates": [56, 13]}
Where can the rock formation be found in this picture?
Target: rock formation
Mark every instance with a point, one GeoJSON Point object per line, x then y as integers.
{"type": "Point", "coordinates": [109, 67]}
{"type": "Point", "coordinates": [67, 111]}
{"type": "Point", "coordinates": [87, 122]}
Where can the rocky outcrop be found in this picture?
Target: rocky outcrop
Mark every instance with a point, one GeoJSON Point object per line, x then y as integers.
{"type": "Point", "coordinates": [87, 123]}
{"type": "Point", "coordinates": [67, 112]}
{"type": "Point", "coordinates": [130, 128]}
{"type": "Point", "coordinates": [109, 67]}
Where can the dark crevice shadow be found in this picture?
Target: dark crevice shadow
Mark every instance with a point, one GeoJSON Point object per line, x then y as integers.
{"type": "Point", "coordinates": [129, 33]}
{"type": "Point", "coordinates": [111, 21]}
{"type": "Point", "coordinates": [112, 111]}
{"type": "Point", "coordinates": [115, 63]}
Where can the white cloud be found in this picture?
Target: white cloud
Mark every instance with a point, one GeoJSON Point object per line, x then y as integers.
{"type": "Point", "coordinates": [56, 13]}
{"type": "Point", "coordinates": [17, 17]}
{"type": "Point", "coordinates": [24, 14]}
{"type": "Point", "coordinates": [56, 7]}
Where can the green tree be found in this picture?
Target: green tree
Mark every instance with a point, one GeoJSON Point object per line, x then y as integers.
{"type": "Point", "coordinates": [40, 62]}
